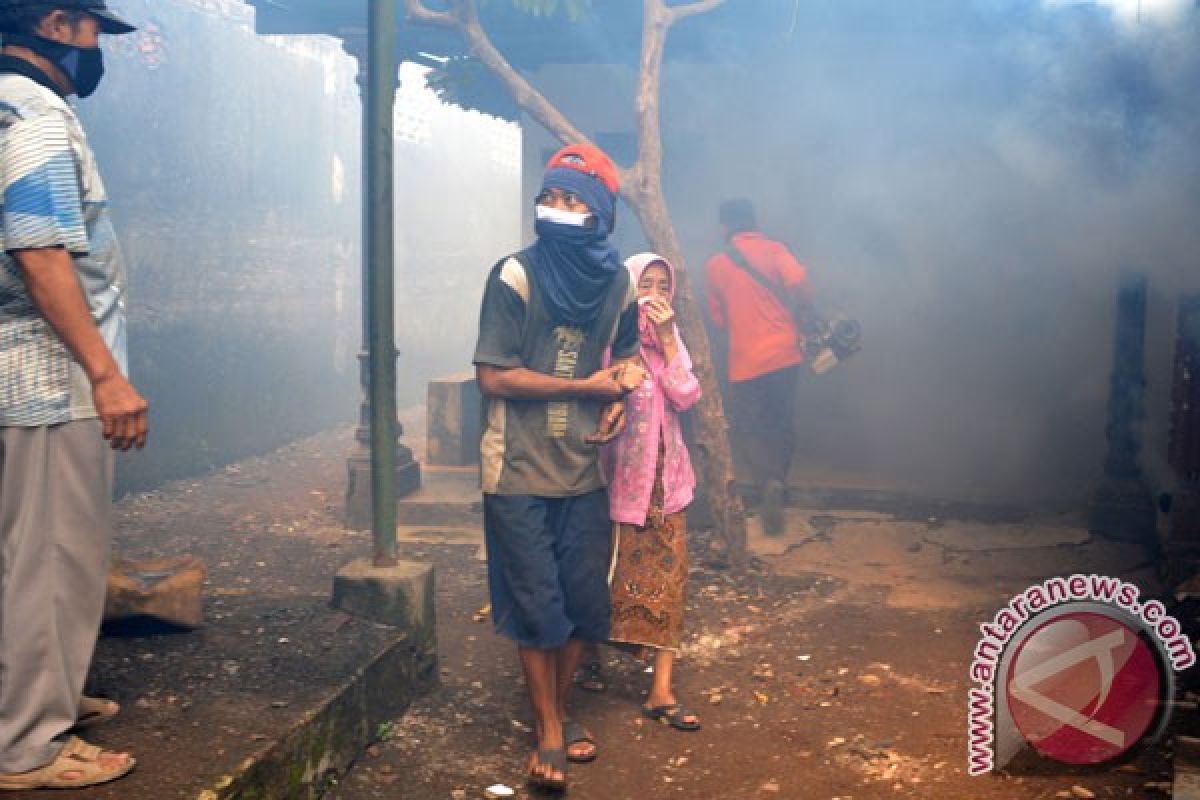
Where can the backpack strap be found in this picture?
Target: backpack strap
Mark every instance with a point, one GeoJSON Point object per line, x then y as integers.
{"type": "Point", "coordinates": [741, 262]}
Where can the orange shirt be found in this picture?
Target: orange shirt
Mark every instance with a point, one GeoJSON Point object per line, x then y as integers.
{"type": "Point", "coordinates": [762, 335]}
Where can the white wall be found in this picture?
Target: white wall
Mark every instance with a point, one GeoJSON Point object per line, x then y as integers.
{"type": "Point", "coordinates": [458, 211]}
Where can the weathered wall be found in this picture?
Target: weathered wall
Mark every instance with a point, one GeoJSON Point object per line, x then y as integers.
{"type": "Point", "coordinates": [232, 163]}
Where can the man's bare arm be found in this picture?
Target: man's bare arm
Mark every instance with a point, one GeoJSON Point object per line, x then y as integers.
{"type": "Point", "coordinates": [50, 276]}
{"type": "Point", "coordinates": [519, 382]}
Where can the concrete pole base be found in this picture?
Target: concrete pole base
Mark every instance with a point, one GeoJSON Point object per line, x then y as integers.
{"type": "Point", "coordinates": [358, 485]}
{"type": "Point", "coordinates": [400, 596]}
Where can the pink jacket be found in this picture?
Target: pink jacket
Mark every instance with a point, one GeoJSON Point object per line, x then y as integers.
{"type": "Point", "coordinates": [650, 412]}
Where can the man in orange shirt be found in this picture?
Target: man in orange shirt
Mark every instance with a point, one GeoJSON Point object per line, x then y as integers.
{"type": "Point", "coordinates": [752, 286]}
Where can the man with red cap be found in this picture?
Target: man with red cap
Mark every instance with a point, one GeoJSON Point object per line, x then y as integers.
{"type": "Point", "coordinates": [550, 316]}
{"type": "Point", "coordinates": [63, 393]}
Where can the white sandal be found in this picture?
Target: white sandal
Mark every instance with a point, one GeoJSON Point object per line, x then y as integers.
{"type": "Point", "coordinates": [77, 756]}
{"type": "Point", "coordinates": [94, 710]}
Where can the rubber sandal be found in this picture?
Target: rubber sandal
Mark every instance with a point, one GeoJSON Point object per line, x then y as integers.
{"type": "Point", "coordinates": [94, 710]}
{"type": "Point", "coordinates": [673, 714]}
{"type": "Point", "coordinates": [556, 760]}
{"type": "Point", "coordinates": [574, 733]}
{"type": "Point", "coordinates": [75, 756]}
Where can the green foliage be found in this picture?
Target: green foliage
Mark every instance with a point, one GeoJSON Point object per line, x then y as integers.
{"type": "Point", "coordinates": [385, 731]}
{"type": "Point", "coordinates": [465, 82]}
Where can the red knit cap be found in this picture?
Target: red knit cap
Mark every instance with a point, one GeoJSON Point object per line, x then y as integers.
{"type": "Point", "coordinates": [589, 160]}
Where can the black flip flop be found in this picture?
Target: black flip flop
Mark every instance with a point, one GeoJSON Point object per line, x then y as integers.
{"type": "Point", "coordinates": [556, 760]}
{"type": "Point", "coordinates": [673, 714]}
{"type": "Point", "coordinates": [574, 733]}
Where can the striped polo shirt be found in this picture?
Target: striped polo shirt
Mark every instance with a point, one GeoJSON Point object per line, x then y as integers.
{"type": "Point", "coordinates": [51, 195]}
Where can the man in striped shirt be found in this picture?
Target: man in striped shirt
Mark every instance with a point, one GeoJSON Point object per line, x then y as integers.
{"type": "Point", "coordinates": [63, 393]}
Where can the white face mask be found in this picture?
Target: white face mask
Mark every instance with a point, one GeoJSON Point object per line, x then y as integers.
{"type": "Point", "coordinates": [575, 218]}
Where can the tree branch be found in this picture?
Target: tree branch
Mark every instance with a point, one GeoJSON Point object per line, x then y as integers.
{"type": "Point", "coordinates": [648, 169]}
{"type": "Point", "coordinates": [691, 9]}
{"type": "Point", "coordinates": [417, 11]}
{"type": "Point", "coordinates": [658, 17]}
{"type": "Point", "coordinates": [466, 19]}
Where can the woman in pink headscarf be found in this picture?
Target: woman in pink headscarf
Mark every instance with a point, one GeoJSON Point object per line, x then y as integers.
{"type": "Point", "coordinates": [651, 484]}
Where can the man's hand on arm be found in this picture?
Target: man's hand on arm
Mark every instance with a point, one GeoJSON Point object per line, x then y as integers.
{"type": "Point", "coordinates": [54, 287]}
{"type": "Point", "coordinates": [629, 375]}
{"type": "Point", "coordinates": [519, 382]}
{"type": "Point", "coordinates": [610, 425]}
{"type": "Point", "coordinates": [611, 383]}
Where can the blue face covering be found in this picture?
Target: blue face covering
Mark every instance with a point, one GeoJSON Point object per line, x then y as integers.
{"type": "Point", "coordinates": [575, 265]}
{"type": "Point", "coordinates": [83, 66]}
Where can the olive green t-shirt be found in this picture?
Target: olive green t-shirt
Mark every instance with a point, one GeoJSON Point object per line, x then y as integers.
{"type": "Point", "coordinates": [537, 447]}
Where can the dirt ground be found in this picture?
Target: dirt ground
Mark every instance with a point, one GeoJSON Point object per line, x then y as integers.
{"type": "Point", "coordinates": [196, 703]}
{"type": "Point", "coordinates": [836, 668]}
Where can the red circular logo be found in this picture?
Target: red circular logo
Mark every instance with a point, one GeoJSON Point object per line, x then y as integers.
{"type": "Point", "coordinates": [1084, 688]}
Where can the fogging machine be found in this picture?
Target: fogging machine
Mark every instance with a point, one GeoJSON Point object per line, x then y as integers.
{"type": "Point", "coordinates": [828, 341]}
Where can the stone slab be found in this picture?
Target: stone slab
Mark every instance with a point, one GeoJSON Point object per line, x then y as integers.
{"type": "Point", "coordinates": [418, 534]}
{"type": "Point", "coordinates": [306, 761]}
{"type": "Point", "coordinates": [974, 537]}
{"type": "Point", "coordinates": [895, 504]}
{"type": "Point", "coordinates": [453, 419]}
{"type": "Point", "coordinates": [167, 590]}
{"type": "Point", "coordinates": [401, 596]}
{"type": "Point", "coordinates": [449, 497]}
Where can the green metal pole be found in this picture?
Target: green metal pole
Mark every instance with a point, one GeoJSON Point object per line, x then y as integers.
{"type": "Point", "coordinates": [381, 347]}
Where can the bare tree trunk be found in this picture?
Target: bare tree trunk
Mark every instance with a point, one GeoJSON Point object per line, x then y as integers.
{"type": "Point", "coordinates": [641, 187]}
{"type": "Point", "coordinates": [643, 191]}
{"type": "Point", "coordinates": [712, 431]}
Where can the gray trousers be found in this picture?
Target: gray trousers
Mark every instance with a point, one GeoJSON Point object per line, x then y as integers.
{"type": "Point", "coordinates": [55, 541]}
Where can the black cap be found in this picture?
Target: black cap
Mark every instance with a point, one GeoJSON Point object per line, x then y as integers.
{"type": "Point", "coordinates": [109, 22]}
{"type": "Point", "coordinates": [737, 214]}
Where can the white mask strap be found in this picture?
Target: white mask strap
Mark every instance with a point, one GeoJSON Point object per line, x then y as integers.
{"type": "Point", "coordinates": [575, 218]}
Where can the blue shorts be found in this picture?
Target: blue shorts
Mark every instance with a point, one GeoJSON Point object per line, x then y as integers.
{"type": "Point", "coordinates": [548, 560]}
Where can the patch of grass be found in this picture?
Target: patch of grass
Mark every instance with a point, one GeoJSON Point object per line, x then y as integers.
{"type": "Point", "coordinates": [385, 731]}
